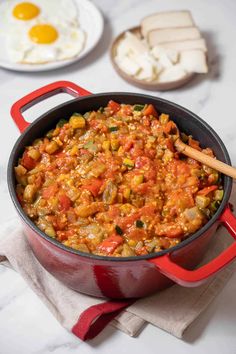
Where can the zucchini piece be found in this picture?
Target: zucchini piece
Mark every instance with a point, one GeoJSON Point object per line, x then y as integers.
{"type": "Point", "coordinates": [218, 195]}
{"type": "Point", "coordinates": [139, 107]}
{"type": "Point", "coordinates": [61, 123]}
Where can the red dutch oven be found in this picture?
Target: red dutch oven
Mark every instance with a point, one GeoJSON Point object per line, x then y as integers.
{"type": "Point", "coordinates": [128, 277]}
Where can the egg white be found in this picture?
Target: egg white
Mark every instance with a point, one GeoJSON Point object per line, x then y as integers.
{"type": "Point", "coordinates": [69, 43]}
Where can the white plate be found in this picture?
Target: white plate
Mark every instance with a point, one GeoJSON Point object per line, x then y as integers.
{"type": "Point", "coordinates": [90, 20]}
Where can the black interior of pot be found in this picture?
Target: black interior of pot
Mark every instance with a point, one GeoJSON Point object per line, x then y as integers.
{"type": "Point", "coordinates": [187, 122]}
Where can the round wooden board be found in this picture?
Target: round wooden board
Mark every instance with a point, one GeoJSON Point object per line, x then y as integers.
{"type": "Point", "coordinates": [147, 85]}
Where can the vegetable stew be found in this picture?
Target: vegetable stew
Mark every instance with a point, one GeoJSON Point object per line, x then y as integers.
{"type": "Point", "coordinates": [110, 182]}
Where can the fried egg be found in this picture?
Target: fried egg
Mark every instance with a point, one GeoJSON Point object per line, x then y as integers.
{"type": "Point", "coordinates": [41, 31]}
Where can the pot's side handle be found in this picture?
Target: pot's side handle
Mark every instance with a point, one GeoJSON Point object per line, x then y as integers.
{"type": "Point", "coordinates": [191, 278]}
{"type": "Point", "coordinates": [39, 95]}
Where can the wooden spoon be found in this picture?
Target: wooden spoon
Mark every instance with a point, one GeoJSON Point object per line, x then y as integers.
{"type": "Point", "coordinates": [205, 159]}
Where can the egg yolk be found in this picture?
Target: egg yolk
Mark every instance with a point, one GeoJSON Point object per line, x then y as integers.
{"type": "Point", "coordinates": [43, 34]}
{"type": "Point", "coordinates": [25, 11]}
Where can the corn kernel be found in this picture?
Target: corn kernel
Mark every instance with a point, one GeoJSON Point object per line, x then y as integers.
{"type": "Point", "coordinates": [132, 243]}
{"type": "Point", "coordinates": [114, 144]}
{"type": "Point", "coordinates": [77, 122]}
{"type": "Point", "coordinates": [126, 193]}
{"type": "Point", "coordinates": [126, 208]}
{"type": "Point", "coordinates": [50, 231]}
{"type": "Point", "coordinates": [20, 170]}
{"type": "Point", "coordinates": [138, 179]}
{"type": "Point", "coordinates": [74, 150]}
{"type": "Point", "coordinates": [52, 147]}
{"type": "Point", "coordinates": [29, 193]}
{"type": "Point", "coordinates": [61, 177]}
{"type": "Point", "coordinates": [106, 145]}
{"type": "Point", "coordinates": [34, 154]}
{"type": "Point", "coordinates": [164, 118]}
{"type": "Point", "coordinates": [128, 162]}
{"type": "Point", "coordinates": [58, 141]}
{"type": "Point", "coordinates": [120, 151]}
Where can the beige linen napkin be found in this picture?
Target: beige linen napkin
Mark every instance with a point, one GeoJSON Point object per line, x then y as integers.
{"type": "Point", "coordinates": [172, 310]}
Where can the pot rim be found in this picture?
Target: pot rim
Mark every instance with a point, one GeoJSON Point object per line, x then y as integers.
{"type": "Point", "coordinates": [28, 221]}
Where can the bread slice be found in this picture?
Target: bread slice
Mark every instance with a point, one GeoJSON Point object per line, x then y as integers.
{"type": "Point", "coordinates": [165, 35]}
{"type": "Point", "coordinates": [173, 73]}
{"type": "Point", "coordinates": [166, 20]}
{"type": "Point", "coordinates": [190, 44]}
{"type": "Point", "coordinates": [194, 61]}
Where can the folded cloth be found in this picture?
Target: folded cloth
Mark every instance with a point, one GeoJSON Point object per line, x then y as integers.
{"type": "Point", "coordinates": [172, 310]}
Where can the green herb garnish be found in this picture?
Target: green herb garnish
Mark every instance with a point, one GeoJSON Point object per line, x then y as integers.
{"type": "Point", "coordinates": [139, 224]}
{"type": "Point", "coordinates": [138, 107]}
{"type": "Point", "coordinates": [113, 129]}
{"type": "Point", "coordinates": [119, 231]}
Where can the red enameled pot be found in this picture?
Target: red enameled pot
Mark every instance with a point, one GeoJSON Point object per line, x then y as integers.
{"type": "Point", "coordinates": [129, 277]}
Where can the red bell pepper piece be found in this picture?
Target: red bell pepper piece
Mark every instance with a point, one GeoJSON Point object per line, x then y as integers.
{"type": "Point", "coordinates": [194, 144]}
{"type": "Point", "coordinates": [207, 190]}
{"type": "Point", "coordinates": [111, 243]}
{"type": "Point", "coordinates": [27, 161]}
{"type": "Point", "coordinates": [64, 202]}
{"type": "Point", "coordinates": [170, 127]}
{"type": "Point", "coordinates": [50, 191]}
{"type": "Point", "coordinates": [114, 106]}
{"type": "Point", "coordinates": [93, 186]}
{"type": "Point", "coordinates": [150, 110]}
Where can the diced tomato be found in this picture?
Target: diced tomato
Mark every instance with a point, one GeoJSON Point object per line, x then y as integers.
{"type": "Point", "coordinates": [84, 152]}
{"type": "Point", "coordinates": [174, 232]}
{"type": "Point", "coordinates": [64, 202]}
{"type": "Point", "coordinates": [63, 235]}
{"type": "Point", "coordinates": [93, 186]}
{"type": "Point", "coordinates": [114, 106]}
{"type": "Point", "coordinates": [38, 181]}
{"type": "Point", "coordinates": [27, 161]}
{"type": "Point", "coordinates": [207, 190]}
{"type": "Point", "coordinates": [171, 230]}
{"type": "Point", "coordinates": [128, 145]}
{"type": "Point", "coordinates": [150, 110]}
{"type": "Point", "coordinates": [141, 251]}
{"type": "Point", "coordinates": [113, 211]}
{"type": "Point", "coordinates": [194, 144]}
{"type": "Point", "coordinates": [150, 175]}
{"type": "Point", "coordinates": [150, 153]}
{"type": "Point", "coordinates": [170, 145]}
{"type": "Point", "coordinates": [142, 161]}
{"type": "Point", "coordinates": [146, 121]}
{"type": "Point", "coordinates": [143, 188]}
{"type": "Point", "coordinates": [148, 210]}
{"type": "Point", "coordinates": [127, 110]}
{"type": "Point", "coordinates": [20, 198]}
{"type": "Point", "coordinates": [59, 154]}
{"type": "Point", "coordinates": [49, 191]}
{"type": "Point", "coordinates": [137, 234]}
{"type": "Point", "coordinates": [127, 221]}
{"type": "Point", "coordinates": [170, 127]}
{"type": "Point", "coordinates": [104, 129]}
{"type": "Point", "coordinates": [109, 245]}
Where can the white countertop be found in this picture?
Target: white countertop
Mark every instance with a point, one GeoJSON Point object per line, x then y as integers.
{"type": "Point", "coordinates": [26, 326]}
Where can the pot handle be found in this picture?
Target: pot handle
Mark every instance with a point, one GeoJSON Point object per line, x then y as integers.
{"type": "Point", "coordinates": [191, 278]}
{"type": "Point", "coordinates": [39, 95]}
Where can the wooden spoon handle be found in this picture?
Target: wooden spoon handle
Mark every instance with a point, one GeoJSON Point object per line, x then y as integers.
{"type": "Point", "coordinates": [205, 159]}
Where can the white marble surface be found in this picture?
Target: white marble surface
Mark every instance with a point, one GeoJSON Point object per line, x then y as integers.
{"type": "Point", "coordinates": [26, 326]}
